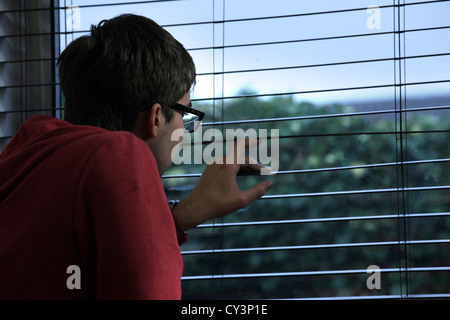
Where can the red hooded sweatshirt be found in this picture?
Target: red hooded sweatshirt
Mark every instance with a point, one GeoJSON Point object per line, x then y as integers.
{"type": "Point", "coordinates": [83, 214]}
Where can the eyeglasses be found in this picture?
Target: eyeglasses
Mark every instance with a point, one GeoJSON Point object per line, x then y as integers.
{"type": "Point", "coordinates": [191, 117]}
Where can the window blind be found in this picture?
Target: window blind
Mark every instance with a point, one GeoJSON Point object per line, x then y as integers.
{"type": "Point", "coordinates": [350, 102]}
{"type": "Point", "coordinates": [359, 94]}
{"type": "Point", "coordinates": [27, 61]}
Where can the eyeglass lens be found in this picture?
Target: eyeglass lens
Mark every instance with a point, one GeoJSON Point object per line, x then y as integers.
{"type": "Point", "coordinates": [190, 122]}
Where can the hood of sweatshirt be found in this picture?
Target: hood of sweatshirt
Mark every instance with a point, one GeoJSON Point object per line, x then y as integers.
{"type": "Point", "coordinates": [36, 139]}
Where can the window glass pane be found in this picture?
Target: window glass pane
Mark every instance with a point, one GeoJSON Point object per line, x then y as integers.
{"type": "Point", "coordinates": [427, 15]}
{"type": "Point", "coordinates": [304, 27]}
{"type": "Point", "coordinates": [236, 9]}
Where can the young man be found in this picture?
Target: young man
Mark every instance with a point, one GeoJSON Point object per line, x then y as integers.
{"type": "Point", "coordinates": [83, 212]}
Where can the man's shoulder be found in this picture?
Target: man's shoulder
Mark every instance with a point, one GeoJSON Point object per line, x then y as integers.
{"type": "Point", "coordinates": [116, 140]}
{"type": "Point", "coordinates": [96, 137]}
{"type": "Point", "coordinates": [81, 141]}
{"type": "Point", "coordinates": [115, 146]}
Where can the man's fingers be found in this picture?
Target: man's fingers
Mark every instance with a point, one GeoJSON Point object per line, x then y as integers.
{"type": "Point", "coordinates": [256, 192]}
{"type": "Point", "coordinates": [251, 169]}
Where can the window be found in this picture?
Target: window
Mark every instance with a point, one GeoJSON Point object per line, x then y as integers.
{"type": "Point", "coordinates": [27, 63]}
{"type": "Point", "coordinates": [360, 96]}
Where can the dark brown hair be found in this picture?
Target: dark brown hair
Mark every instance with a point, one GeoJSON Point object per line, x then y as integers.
{"type": "Point", "coordinates": [123, 67]}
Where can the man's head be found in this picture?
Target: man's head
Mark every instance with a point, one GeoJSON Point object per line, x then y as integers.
{"type": "Point", "coordinates": [127, 66]}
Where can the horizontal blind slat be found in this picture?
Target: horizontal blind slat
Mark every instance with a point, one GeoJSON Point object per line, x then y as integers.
{"type": "Point", "coordinates": [58, 8]}
{"type": "Point", "coordinates": [377, 297]}
{"type": "Point", "coordinates": [312, 273]}
{"type": "Point", "coordinates": [277, 94]}
{"type": "Point", "coordinates": [326, 116]}
{"type": "Point", "coordinates": [324, 220]}
{"type": "Point", "coordinates": [319, 246]}
{"type": "Point", "coordinates": [366, 166]}
{"type": "Point", "coordinates": [321, 65]}
{"type": "Point", "coordinates": [352, 192]}
{"type": "Point", "coordinates": [372, 34]}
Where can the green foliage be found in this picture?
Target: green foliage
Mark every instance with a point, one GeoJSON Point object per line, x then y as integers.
{"type": "Point", "coordinates": [314, 143]}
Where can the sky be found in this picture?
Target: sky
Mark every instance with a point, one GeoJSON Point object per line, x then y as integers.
{"type": "Point", "coordinates": [282, 57]}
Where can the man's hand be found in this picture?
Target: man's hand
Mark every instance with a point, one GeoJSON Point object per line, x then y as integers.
{"type": "Point", "coordinates": [217, 193]}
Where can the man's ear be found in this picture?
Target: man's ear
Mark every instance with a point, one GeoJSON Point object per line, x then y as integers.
{"type": "Point", "coordinates": [154, 120]}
